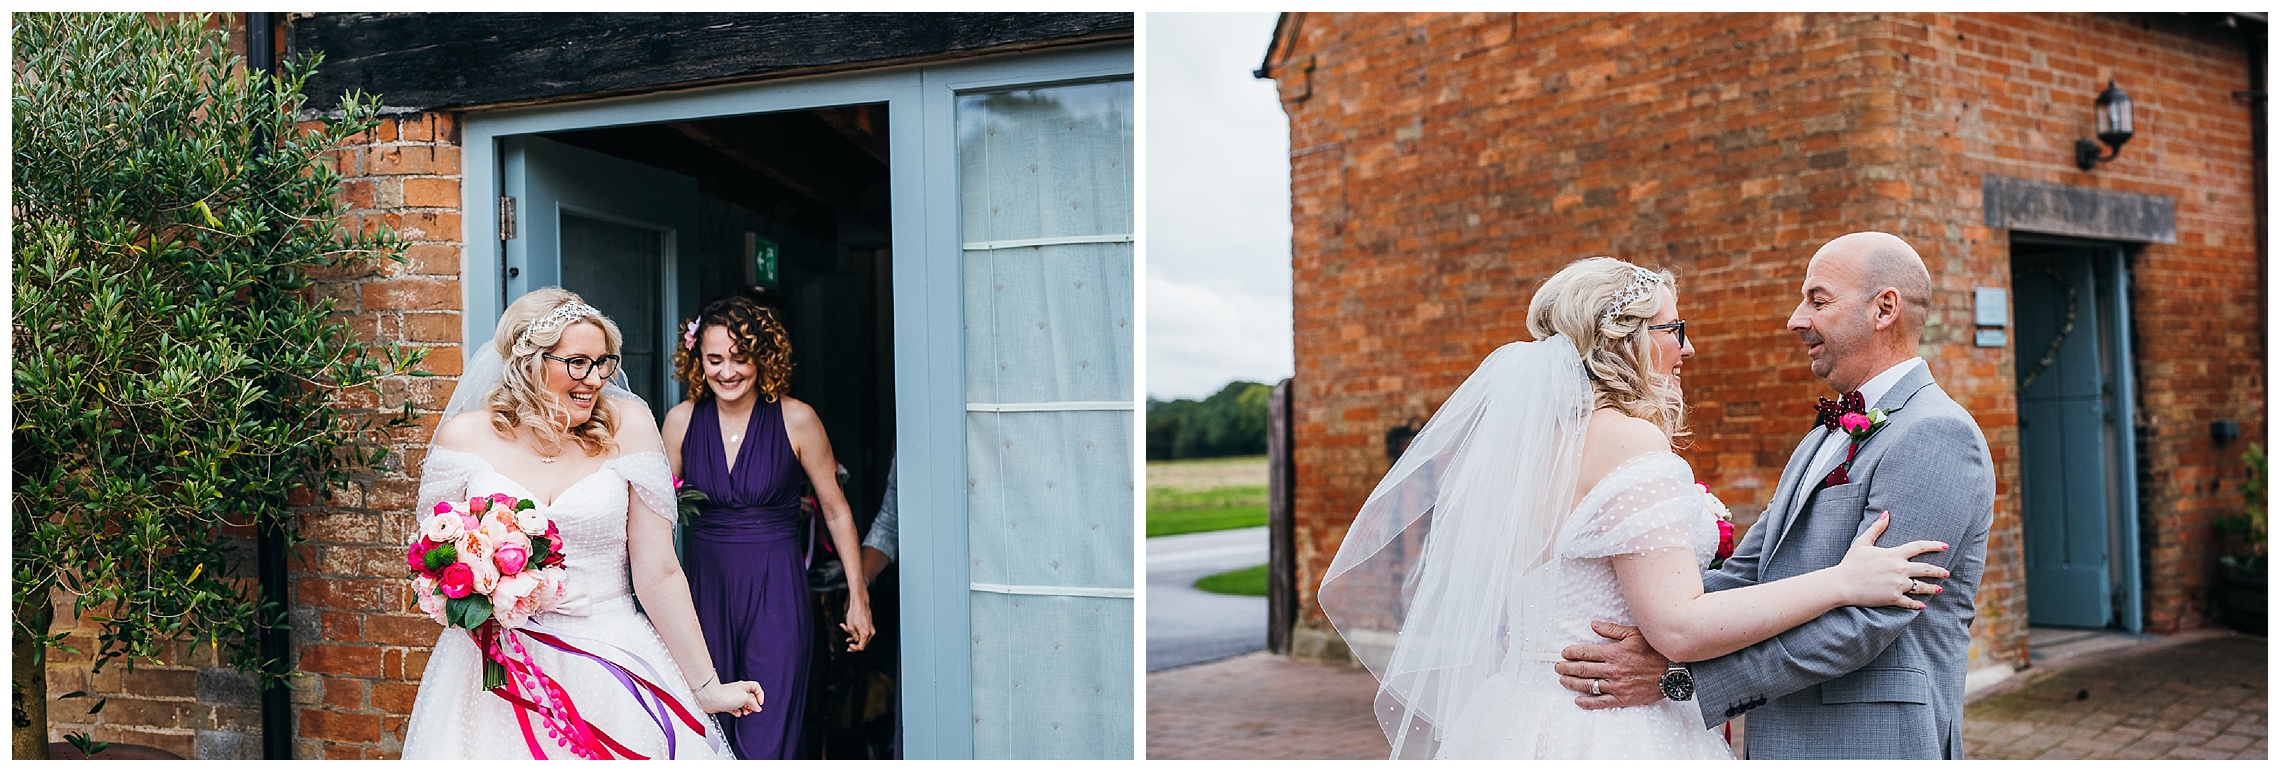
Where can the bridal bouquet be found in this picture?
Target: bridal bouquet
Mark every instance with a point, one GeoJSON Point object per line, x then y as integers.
{"type": "Point", "coordinates": [489, 565]}
{"type": "Point", "coordinates": [491, 558]}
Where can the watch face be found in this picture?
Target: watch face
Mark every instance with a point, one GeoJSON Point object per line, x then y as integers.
{"type": "Point", "coordinates": [1678, 685]}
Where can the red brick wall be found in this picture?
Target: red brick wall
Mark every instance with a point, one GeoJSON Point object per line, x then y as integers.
{"type": "Point", "coordinates": [2007, 94]}
{"type": "Point", "coordinates": [356, 629]}
{"type": "Point", "coordinates": [1443, 166]}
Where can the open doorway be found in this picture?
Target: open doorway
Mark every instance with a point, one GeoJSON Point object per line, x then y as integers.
{"type": "Point", "coordinates": [650, 221]}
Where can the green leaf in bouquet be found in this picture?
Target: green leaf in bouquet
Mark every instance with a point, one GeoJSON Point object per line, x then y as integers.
{"type": "Point", "coordinates": [468, 612]}
{"type": "Point", "coordinates": [539, 548]}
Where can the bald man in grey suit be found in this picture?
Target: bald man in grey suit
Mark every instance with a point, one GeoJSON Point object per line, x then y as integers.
{"type": "Point", "coordinates": [1854, 683]}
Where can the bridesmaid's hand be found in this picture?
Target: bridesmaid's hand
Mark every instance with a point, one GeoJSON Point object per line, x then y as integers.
{"type": "Point", "coordinates": [740, 698]}
{"type": "Point", "coordinates": [858, 625]}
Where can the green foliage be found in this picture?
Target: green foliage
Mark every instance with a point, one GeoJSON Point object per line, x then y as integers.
{"type": "Point", "coordinates": [176, 374]}
{"type": "Point", "coordinates": [1242, 581]}
{"type": "Point", "coordinates": [2245, 536]}
{"type": "Point", "coordinates": [1233, 422]}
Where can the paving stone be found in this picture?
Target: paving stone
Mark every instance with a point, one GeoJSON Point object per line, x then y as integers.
{"type": "Point", "coordinates": [2128, 703]}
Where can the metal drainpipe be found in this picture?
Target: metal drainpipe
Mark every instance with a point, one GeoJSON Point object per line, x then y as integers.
{"type": "Point", "coordinates": [276, 642]}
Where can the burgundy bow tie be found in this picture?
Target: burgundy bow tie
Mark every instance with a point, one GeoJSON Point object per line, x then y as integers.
{"type": "Point", "coordinates": [1831, 410]}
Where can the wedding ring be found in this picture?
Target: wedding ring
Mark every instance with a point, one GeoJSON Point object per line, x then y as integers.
{"type": "Point", "coordinates": [1595, 687]}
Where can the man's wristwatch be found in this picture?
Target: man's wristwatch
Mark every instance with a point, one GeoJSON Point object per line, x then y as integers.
{"type": "Point", "coordinates": [1678, 682]}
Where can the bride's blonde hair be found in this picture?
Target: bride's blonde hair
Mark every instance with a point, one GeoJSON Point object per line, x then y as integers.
{"type": "Point", "coordinates": [521, 398]}
{"type": "Point", "coordinates": [1602, 305]}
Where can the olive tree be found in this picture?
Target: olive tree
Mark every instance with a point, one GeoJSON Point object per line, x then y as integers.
{"type": "Point", "coordinates": [176, 375]}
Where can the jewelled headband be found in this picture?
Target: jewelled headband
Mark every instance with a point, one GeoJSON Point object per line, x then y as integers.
{"type": "Point", "coordinates": [563, 314]}
{"type": "Point", "coordinates": [1643, 283]}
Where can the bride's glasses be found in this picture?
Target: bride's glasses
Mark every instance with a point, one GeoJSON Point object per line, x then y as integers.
{"type": "Point", "coordinates": [1679, 326]}
{"type": "Point", "coordinates": [580, 368]}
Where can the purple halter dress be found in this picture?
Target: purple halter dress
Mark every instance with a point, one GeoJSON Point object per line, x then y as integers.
{"type": "Point", "coordinates": [743, 557]}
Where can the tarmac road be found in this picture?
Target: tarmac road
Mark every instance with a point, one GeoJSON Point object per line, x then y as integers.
{"type": "Point", "coordinates": [1187, 626]}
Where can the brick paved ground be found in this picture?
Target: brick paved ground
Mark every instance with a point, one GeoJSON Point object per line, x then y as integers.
{"type": "Point", "coordinates": [2197, 695]}
{"type": "Point", "coordinates": [1261, 706]}
{"type": "Point", "coordinates": [2201, 696]}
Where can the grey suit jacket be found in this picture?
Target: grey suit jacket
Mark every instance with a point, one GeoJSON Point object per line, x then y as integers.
{"type": "Point", "coordinates": [1864, 683]}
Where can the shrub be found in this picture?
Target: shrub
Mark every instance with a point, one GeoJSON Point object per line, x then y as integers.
{"type": "Point", "coordinates": [177, 377]}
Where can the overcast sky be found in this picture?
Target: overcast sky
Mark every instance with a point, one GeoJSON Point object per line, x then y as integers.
{"type": "Point", "coordinates": [1218, 206]}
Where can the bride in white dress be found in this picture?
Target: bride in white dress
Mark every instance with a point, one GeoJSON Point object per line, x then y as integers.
{"type": "Point", "coordinates": [533, 418]}
{"type": "Point", "coordinates": [1542, 496]}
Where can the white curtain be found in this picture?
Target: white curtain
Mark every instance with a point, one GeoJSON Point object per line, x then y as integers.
{"type": "Point", "coordinates": [1045, 182]}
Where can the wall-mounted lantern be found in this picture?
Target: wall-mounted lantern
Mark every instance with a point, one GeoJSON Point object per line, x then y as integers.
{"type": "Point", "coordinates": [2114, 128]}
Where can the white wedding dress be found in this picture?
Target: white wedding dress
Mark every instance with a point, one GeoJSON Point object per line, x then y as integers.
{"type": "Point", "coordinates": [453, 718]}
{"type": "Point", "coordinates": [1522, 712]}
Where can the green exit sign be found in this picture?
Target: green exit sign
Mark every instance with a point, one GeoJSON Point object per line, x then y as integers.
{"type": "Point", "coordinates": [763, 258]}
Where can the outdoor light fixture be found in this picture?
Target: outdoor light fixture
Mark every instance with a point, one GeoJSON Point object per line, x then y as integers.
{"type": "Point", "coordinates": [2113, 128]}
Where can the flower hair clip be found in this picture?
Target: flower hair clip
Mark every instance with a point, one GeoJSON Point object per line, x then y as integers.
{"type": "Point", "coordinates": [563, 314]}
{"type": "Point", "coordinates": [689, 335]}
{"type": "Point", "coordinates": [1643, 282]}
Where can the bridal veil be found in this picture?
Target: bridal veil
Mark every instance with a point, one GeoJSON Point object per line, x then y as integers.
{"type": "Point", "coordinates": [1421, 589]}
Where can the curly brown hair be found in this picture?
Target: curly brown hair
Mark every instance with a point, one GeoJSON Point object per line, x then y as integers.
{"type": "Point", "coordinates": [757, 334]}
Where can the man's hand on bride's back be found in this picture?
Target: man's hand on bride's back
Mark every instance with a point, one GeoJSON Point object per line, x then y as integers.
{"type": "Point", "coordinates": [1623, 673]}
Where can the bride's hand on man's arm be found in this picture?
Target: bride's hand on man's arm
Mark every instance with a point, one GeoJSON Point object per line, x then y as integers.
{"type": "Point", "coordinates": [1885, 576]}
{"type": "Point", "coordinates": [736, 697]}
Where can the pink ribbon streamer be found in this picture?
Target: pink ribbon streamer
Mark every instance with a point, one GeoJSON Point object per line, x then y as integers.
{"type": "Point", "coordinates": [531, 690]}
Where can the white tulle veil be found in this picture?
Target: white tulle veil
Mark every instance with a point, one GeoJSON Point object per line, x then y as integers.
{"type": "Point", "coordinates": [1421, 589]}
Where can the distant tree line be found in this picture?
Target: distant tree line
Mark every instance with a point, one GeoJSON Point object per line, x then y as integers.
{"type": "Point", "coordinates": [1232, 422]}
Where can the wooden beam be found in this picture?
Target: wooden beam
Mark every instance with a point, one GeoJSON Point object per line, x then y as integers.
{"type": "Point", "coordinates": [428, 61]}
{"type": "Point", "coordinates": [735, 151]}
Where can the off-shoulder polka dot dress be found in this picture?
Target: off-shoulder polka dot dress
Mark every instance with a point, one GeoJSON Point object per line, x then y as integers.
{"type": "Point", "coordinates": [1647, 503]}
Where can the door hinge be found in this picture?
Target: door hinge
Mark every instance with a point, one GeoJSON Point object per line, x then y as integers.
{"type": "Point", "coordinates": [506, 218]}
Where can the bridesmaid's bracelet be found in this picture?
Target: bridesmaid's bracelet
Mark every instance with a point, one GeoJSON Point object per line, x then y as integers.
{"type": "Point", "coordinates": [708, 682]}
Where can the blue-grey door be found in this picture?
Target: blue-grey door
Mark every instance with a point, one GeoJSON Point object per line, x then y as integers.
{"type": "Point", "coordinates": [2068, 462]}
{"type": "Point", "coordinates": [616, 232]}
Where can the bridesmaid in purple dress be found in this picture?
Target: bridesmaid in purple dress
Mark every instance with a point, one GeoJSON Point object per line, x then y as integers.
{"type": "Point", "coordinates": [748, 447]}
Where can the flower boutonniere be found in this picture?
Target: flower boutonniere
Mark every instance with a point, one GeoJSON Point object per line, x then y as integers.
{"type": "Point", "coordinates": [1859, 427]}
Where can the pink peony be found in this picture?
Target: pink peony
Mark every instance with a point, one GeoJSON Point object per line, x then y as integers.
{"type": "Point", "coordinates": [442, 507]}
{"type": "Point", "coordinates": [512, 554]}
{"type": "Point", "coordinates": [458, 580]}
{"type": "Point", "coordinates": [477, 506]}
{"type": "Point", "coordinates": [423, 592]}
{"type": "Point", "coordinates": [504, 500]}
{"type": "Point", "coordinates": [515, 599]}
{"type": "Point", "coordinates": [444, 526]}
{"type": "Point", "coordinates": [486, 577]}
{"type": "Point", "coordinates": [1725, 540]}
{"type": "Point", "coordinates": [1854, 422]}
{"type": "Point", "coordinates": [498, 525]}
{"type": "Point", "coordinates": [475, 547]}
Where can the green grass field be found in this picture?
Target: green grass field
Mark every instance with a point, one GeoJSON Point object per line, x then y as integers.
{"type": "Point", "coordinates": [1242, 581]}
{"type": "Point", "coordinates": [1208, 495]}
